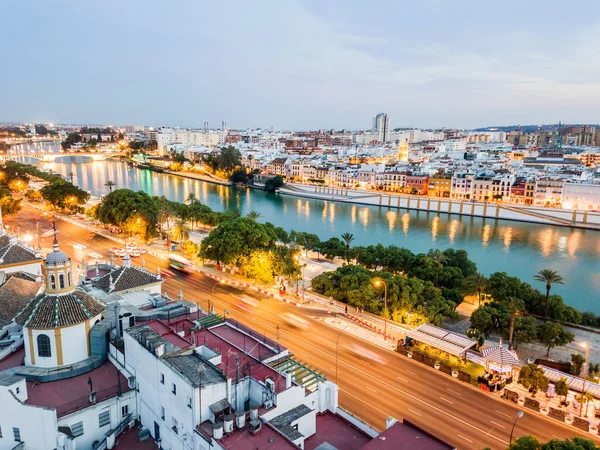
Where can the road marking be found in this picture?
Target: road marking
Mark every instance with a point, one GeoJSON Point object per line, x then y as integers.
{"type": "Point", "coordinates": [497, 424]}
{"type": "Point", "coordinates": [403, 392]}
{"type": "Point", "coordinates": [454, 392]}
{"type": "Point", "coordinates": [446, 400]}
{"type": "Point", "coordinates": [400, 378]}
{"type": "Point", "coordinates": [371, 389]}
{"type": "Point", "coordinates": [466, 439]}
{"type": "Point", "coordinates": [412, 411]}
{"type": "Point", "coordinates": [504, 414]}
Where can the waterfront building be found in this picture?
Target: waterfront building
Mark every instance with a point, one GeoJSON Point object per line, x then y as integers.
{"type": "Point", "coordinates": [581, 196]}
{"type": "Point", "coordinates": [440, 185]}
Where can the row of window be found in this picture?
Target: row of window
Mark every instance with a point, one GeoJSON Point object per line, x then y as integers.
{"type": "Point", "coordinates": [103, 420]}
{"type": "Point", "coordinates": [61, 281]}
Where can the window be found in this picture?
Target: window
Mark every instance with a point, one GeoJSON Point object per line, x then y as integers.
{"type": "Point", "coordinates": [124, 410]}
{"type": "Point", "coordinates": [0, 432]}
{"type": "Point", "coordinates": [52, 282]}
{"type": "Point", "coordinates": [18, 390]}
{"type": "Point", "coordinates": [175, 427]}
{"type": "Point", "coordinates": [17, 434]}
{"type": "Point", "coordinates": [162, 413]}
{"type": "Point", "coordinates": [190, 402]}
{"type": "Point", "coordinates": [43, 343]}
{"type": "Point", "coordinates": [61, 281]}
{"type": "Point", "coordinates": [104, 418]}
{"type": "Point", "coordinates": [174, 389]}
{"type": "Point", "coordinates": [77, 429]}
{"type": "Point", "coordinates": [162, 378]}
{"type": "Point", "coordinates": [69, 278]}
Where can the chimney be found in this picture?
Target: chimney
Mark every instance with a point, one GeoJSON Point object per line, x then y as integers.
{"type": "Point", "coordinates": [288, 379]}
{"type": "Point", "coordinates": [159, 349]}
{"type": "Point", "coordinates": [92, 397]}
{"type": "Point", "coordinates": [117, 321]}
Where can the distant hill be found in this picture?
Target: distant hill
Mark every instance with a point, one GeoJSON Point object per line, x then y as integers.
{"type": "Point", "coordinates": [533, 128]}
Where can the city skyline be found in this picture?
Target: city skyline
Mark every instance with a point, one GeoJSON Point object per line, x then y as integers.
{"type": "Point", "coordinates": [299, 66]}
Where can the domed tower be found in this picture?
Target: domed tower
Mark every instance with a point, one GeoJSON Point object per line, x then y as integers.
{"type": "Point", "coordinates": [56, 324]}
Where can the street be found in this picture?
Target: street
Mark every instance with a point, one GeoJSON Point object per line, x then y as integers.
{"type": "Point", "coordinates": [371, 387]}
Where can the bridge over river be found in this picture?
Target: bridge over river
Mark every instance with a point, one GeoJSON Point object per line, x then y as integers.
{"type": "Point", "coordinates": [78, 157]}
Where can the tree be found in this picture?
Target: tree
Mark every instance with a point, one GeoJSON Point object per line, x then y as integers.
{"type": "Point", "coordinates": [532, 377]}
{"type": "Point", "coordinates": [180, 232]}
{"type": "Point", "coordinates": [585, 398]}
{"type": "Point", "coordinates": [562, 388]}
{"type": "Point", "coordinates": [18, 185]}
{"type": "Point", "coordinates": [332, 247]}
{"type": "Point", "coordinates": [110, 184]}
{"type": "Point", "coordinates": [233, 241]}
{"type": "Point", "coordinates": [70, 175]}
{"type": "Point", "coordinates": [438, 258]}
{"type": "Point", "coordinates": [549, 277]}
{"type": "Point", "coordinates": [225, 161]}
{"type": "Point", "coordinates": [307, 241]}
{"type": "Point", "coordinates": [274, 183]}
{"type": "Point", "coordinates": [348, 238]}
{"type": "Point", "coordinates": [525, 443]}
{"type": "Point", "coordinates": [72, 138]}
{"type": "Point", "coordinates": [122, 207]}
{"type": "Point", "coordinates": [476, 283]}
{"type": "Point", "coordinates": [192, 199]}
{"type": "Point", "coordinates": [10, 205]}
{"type": "Point", "coordinates": [514, 306]}
{"type": "Point", "coordinates": [239, 175]}
{"type": "Point", "coordinates": [577, 363]}
{"type": "Point", "coordinates": [64, 196]}
{"type": "Point", "coordinates": [525, 331]}
{"type": "Point", "coordinates": [552, 334]}
{"type": "Point", "coordinates": [483, 319]}
{"type": "Point", "coordinates": [531, 443]}
{"type": "Point", "coordinates": [254, 215]}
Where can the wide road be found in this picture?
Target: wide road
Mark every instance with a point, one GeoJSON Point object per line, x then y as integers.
{"type": "Point", "coordinates": [369, 388]}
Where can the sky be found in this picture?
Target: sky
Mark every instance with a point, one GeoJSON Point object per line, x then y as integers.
{"type": "Point", "coordinates": [292, 64]}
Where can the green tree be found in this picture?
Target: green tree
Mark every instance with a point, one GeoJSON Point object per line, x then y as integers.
{"type": "Point", "coordinates": [122, 207]}
{"type": "Point", "coordinates": [254, 215]}
{"type": "Point", "coordinates": [483, 319]}
{"type": "Point", "coordinates": [514, 306]}
{"type": "Point", "coordinates": [192, 199]}
{"type": "Point", "coordinates": [531, 443]}
{"type": "Point", "coordinates": [282, 235]}
{"type": "Point", "coordinates": [525, 331]}
{"type": "Point", "coordinates": [460, 259]}
{"type": "Point", "coordinates": [10, 205]}
{"type": "Point", "coordinates": [233, 241]}
{"type": "Point", "coordinates": [438, 259]}
{"type": "Point", "coordinates": [549, 277]}
{"type": "Point", "coordinates": [225, 161]}
{"type": "Point", "coordinates": [585, 398]}
{"type": "Point", "coordinates": [180, 231]}
{"type": "Point", "coordinates": [532, 377]}
{"type": "Point", "coordinates": [64, 196]}
{"type": "Point", "coordinates": [577, 363]}
{"type": "Point", "coordinates": [552, 334]}
{"type": "Point", "coordinates": [476, 283]}
{"type": "Point", "coordinates": [72, 138]}
{"type": "Point", "coordinates": [307, 241]}
{"type": "Point", "coordinates": [110, 184]}
{"type": "Point", "coordinates": [347, 238]}
{"type": "Point", "coordinates": [259, 266]}
{"type": "Point", "coordinates": [332, 248]}
{"type": "Point", "coordinates": [239, 175]}
{"type": "Point", "coordinates": [274, 183]}
{"type": "Point", "coordinates": [562, 388]}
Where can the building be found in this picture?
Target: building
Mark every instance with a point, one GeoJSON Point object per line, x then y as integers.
{"type": "Point", "coordinates": [548, 192]}
{"type": "Point", "coordinates": [381, 127]}
{"type": "Point", "coordinates": [462, 187]}
{"type": "Point", "coordinates": [279, 166]}
{"type": "Point", "coordinates": [440, 186]}
{"type": "Point", "coordinates": [417, 184]}
{"type": "Point", "coordinates": [582, 196]}
{"type": "Point", "coordinates": [403, 151]}
{"type": "Point", "coordinates": [16, 256]}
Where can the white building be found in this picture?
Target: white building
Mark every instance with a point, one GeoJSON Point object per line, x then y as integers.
{"type": "Point", "coordinates": [582, 196]}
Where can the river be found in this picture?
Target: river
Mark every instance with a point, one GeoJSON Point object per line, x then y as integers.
{"type": "Point", "coordinates": [518, 248]}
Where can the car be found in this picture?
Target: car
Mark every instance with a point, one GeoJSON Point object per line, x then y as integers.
{"type": "Point", "coordinates": [364, 353]}
{"type": "Point", "coordinates": [295, 321]}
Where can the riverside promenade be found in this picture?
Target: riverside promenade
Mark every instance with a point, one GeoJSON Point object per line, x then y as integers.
{"type": "Point", "coordinates": [547, 216]}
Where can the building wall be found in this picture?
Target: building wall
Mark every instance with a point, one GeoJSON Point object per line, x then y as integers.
{"type": "Point", "coordinates": [32, 268]}
{"type": "Point", "coordinates": [37, 425]}
{"type": "Point", "coordinates": [90, 419]}
{"type": "Point", "coordinates": [581, 196]}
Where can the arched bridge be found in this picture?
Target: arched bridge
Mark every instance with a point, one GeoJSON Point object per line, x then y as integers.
{"type": "Point", "coordinates": [61, 157]}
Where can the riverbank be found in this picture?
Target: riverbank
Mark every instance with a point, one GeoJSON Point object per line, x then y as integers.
{"type": "Point", "coordinates": [545, 216]}
{"type": "Point", "coordinates": [199, 177]}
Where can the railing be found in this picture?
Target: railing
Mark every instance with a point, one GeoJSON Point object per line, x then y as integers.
{"type": "Point", "coordinates": [103, 444]}
{"type": "Point", "coordinates": [19, 446]}
{"type": "Point", "coordinates": [82, 402]}
{"type": "Point", "coordinates": [250, 332]}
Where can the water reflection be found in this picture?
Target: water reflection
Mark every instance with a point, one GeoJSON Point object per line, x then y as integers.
{"type": "Point", "coordinates": [520, 249]}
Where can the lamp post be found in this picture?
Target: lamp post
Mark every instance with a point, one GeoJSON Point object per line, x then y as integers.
{"type": "Point", "coordinates": [379, 282]}
{"type": "Point", "coordinates": [210, 303]}
{"type": "Point", "coordinates": [587, 354]}
{"type": "Point", "coordinates": [519, 415]}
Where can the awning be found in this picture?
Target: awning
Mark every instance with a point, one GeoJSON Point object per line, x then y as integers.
{"type": "Point", "coordinates": [574, 383]}
{"type": "Point", "coordinates": [500, 355]}
{"type": "Point", "coordinates": [453, 343]}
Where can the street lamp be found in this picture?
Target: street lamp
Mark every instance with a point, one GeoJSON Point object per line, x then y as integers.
{"type": "Point", "coordinates": [210, 305]}
{"type": "Point", "coordinates": [519, 415]}
{"type": "Point", "coordinates": [378, 282]}
{"type": "Point", "coordinates": [587, 354]}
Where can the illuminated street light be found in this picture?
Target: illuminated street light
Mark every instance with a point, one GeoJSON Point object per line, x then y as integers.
{"type": "Point", "coordinates": [378, 282]}
{"type": "Point", "coordinates": [519, 415]}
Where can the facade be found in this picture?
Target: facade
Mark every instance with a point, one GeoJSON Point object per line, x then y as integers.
{"type": "Point", "coordinates": [440, 186]}
{"type": "Point", "coordinates": [581, 196]}
{"type": "Point", "coordinates": [381, 127]}
{"type": "Point", "coordinates": [417, 184]}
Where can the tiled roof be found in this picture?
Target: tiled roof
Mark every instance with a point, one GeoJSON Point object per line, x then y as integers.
{"type": "Point", "coordinates": [15, 294]}
{"type": "Point", "coordinates": [125, 278]}
{"type": "Point", "coordinates": [52, 311]}
{"type": "Point", "coordinates": [16, 253]}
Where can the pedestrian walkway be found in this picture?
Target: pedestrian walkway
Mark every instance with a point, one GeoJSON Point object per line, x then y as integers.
{"type": "Point", "coordinates": [348, 326]}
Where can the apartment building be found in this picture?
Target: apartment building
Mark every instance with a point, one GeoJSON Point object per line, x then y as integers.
{"type": "Point", "coordinates": [417, 184]}
{"type": "Point", "coordinates": [548, 192]}
{"type": "Point", "coordinates": [462, 187]}
{"type": "Point", "coordinates": [440, 186]}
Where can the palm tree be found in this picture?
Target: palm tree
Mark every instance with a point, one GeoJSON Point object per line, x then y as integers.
{"type": "Point", "coordinates": [477, 282]}
{"type": "Point", "coordinates": [348, 238]}
{"type": "Point", "coordinates": [71, 176]}
{"type": "Point", "coordinates": [514, 305]}
{"type": "Point", "coordinates": [110, 184]}
{"type": "Point", "coordinates": [438, 258]}
{"type": "Point", "coordinates": [192, 199]}
{"type": "Point", "coordinates": [549, 277]}
{"type": "Point", "coordinates": [254, 215]}
{"type": "Point", "coordinates": [585, 398]}
{"type": "Point", "coordinates": [180, 232]}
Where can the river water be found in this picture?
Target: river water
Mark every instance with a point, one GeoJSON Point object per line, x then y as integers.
{"type": "Point", "coordinates": [518, 248]}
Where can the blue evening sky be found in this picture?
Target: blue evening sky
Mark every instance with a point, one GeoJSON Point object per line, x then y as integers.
{"type": "Point", "coordinates": [300, 64]}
